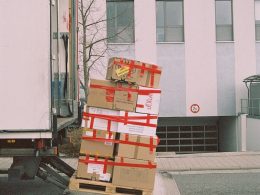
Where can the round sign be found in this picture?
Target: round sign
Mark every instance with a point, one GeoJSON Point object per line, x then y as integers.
{"type": "Point", "coordinates": [195, 108]}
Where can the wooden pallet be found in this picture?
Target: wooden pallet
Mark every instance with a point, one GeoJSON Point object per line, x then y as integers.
{"type": "Point", "coordinates": [84, 185]}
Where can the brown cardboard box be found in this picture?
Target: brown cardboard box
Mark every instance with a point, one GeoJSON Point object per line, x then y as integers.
{"type": "Point", "coordinates": [137, 152]}
{"type": "Point", "coordinates": [135, 177]}
{"type": "Point", "coordinates": [94, 171]}
{"type": "Point", "coordinates": [103, 149]}
{"type": "Point", "coordinates": [101, 96]}
{"type": "Point", "coordinates": [118, 69]}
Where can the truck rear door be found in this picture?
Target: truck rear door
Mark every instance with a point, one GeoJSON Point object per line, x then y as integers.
{"type": "Point", "coordinates": [25, 75]}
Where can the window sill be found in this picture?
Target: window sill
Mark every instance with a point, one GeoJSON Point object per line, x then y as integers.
{"type": "Point", "coordinates": [257, 41]}
{"type": "Point", "coordinates": [120, 43]}
{"type": "Point", "coordinates": [225, 41]}
{"type": "Point", "coordinates": [170, 42]}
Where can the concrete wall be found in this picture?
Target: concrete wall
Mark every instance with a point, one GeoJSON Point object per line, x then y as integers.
{"type": "Point", "coordinates": [145, 31]}
{"type": "Point", "coordinates": [253, 134]}
{"type": "Point", "coordinates": [200, 56]}
{"type": "Point", "coordinates": [245, 50]}
{"type": "Point", "coordinates": [258, 57]}
{"type": "Point", "coordinates": [226, 93]}
{"type": "Point", "coordinates": [200, 71]}
{"type": "Point", "coordinates": [173, 82]}
{"type": "Point", "coordinates": [227, 134]}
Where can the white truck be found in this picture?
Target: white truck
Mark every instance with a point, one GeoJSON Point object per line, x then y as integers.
{"type": "Point", "coordinates": [38, 84]}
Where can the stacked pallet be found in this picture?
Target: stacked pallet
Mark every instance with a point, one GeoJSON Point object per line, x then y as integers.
{"type": "Point", "coordinates": [119, 138]}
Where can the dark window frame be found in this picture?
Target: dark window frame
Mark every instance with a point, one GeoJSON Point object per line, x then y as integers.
{"type": "Point", "coordinates": [165, 26]}
{"type": "Point", "coordinates": [112, 39]}
{"type": "Point", "coordinates": [227, 25]}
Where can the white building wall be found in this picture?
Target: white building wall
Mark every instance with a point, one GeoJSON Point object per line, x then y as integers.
{"type": "Point", "coordinates": [198, 71]}
{"type": "Point", "coordinates": [245, 49]}
{"type": "Point", "coordinates": [253, 134]}
{"type": "Point", "coordinates": [145, 31]}
{"type": "Point", "coordinates": [200, 56]}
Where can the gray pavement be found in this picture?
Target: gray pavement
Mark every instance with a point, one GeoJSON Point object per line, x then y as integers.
{"type": "Point", "coordinates": [209, 161]}
{"type": "Point", "coordinates": [215, 173]}
{"type": "Point", "coordinates": [219, 184]}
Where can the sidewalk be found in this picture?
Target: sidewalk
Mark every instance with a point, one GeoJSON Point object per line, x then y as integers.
{"type": "Point", "coordinates": [209, 161]}
{"type": "Point", "coordinates": [188, 162]}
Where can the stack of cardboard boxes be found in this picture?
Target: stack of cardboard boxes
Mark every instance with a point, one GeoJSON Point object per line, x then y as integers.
{"type": "Point", "coordinates": [119, 135]}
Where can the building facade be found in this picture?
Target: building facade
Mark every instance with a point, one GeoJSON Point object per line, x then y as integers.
{"type": "Point", "coordinates": [206, 49]}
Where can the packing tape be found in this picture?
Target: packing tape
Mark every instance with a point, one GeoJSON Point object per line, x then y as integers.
{"type": "Point", "coordinates": [106, 163]}
{"type": "Point", "coordinates": [151, 144]}
{"type": "Point", "coordinates": [121, 119]}
{"type": "Point", "coordinates": [118, 88]}
{"type": "Point", "coordinates": [153, 69]}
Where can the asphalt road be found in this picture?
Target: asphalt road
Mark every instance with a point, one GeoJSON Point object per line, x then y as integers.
{"type": "Point", "coordinates": [188, 184]}
{"type": "Point", "coordinates": [219, 184]}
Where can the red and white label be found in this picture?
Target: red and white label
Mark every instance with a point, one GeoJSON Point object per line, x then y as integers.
{"type": "Point", "coordinates": [194, 108]}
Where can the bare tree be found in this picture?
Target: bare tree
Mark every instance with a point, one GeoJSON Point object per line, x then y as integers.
{"type": "Point", "coordinates": [93, 39]}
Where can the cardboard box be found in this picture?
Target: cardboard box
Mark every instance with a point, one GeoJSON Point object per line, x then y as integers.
{"type": "Point", "coordinates": [140, 129]}
{"type": "Point", "coordinates": [149, 103]}
{"type": "Point", "coordinates": [102, 149]}
{"type": "Point", "coordinates": [102, 124]}
{"type": "Point", "coordinates": [142, 178]}
{"type": "Point", "coordinates": [119, 68]}
{"type": "Point", "coordinates": [94, 171]}
{"type": "Point", "coordinates": [106, 94]}
{"type": "Point", "coordinates": [132, 125]}
{"type": "Point", "coordinates": [134, 151]}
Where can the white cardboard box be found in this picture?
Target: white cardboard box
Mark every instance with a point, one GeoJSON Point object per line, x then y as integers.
{"type": "Point", "coordinates": [102, 124]}
{"type": "Point", "coordinates": [150, 102]}
{"type": "Point", "coordinates": [137, 129]}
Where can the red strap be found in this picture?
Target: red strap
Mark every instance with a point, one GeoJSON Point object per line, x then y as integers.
{"type": "Point", "coordinates": [105, 166]}
{"type": "Point", "coordinates": [122, 119]}
{"type": "Point", "coordinates": [131, 66]}
{"type": "Point", "coordinates": [109, 126]}
{"type": "Point", "coordinates": [155, 69]}
{"type": "Point", "coordinates": [92, 122]}
{"type": "Point", "coordinates": [94, 133]}
{"type": "Point", "coordinates": [110, 95]}
{"type": "Point", "coordinates": [126, 141]}
{"type": "Point", "coordinates": [117, 88]}
{"type": "Point", "coordinates": [149, 165]}
{"type": "Point", "coordinates": [126, 118]}
{"type": "Point", "coordinates": [142, 70]}
{"type": "Point", "coordinates": [126, 137]}
{"type": "Point", "coordinates": [139, 105]}
{"type": "Point", "coordinates": [151, 144]}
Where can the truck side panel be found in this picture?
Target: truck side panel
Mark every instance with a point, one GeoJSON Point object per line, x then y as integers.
{"type": "Point", "coordinates": [25, 65]}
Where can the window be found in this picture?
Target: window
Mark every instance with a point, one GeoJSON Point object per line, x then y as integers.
{"type": "Point", "coordinates": [120, 21]}
{"type": "Point", "coordinates": [257, 20]}
{"type": "Point", "coordinates": [224, 20]}
{"type": "Point", "coordinates": [169, 21]}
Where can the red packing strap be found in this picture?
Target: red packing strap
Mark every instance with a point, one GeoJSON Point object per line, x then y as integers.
{"type": "Point", "coordinates": [151, 144]}
{"type": "Point", "coordinates": [139, 105]}
{"type": "Point", "coordinates": [142, 70]}
{"type": "Point", "coordinates": [126, 141]}
{"type": "Point", "coordinates": [130, 68]}
{"type": "Point", "coordinates": [123, 119]}
{"type": "Point", "coordinates": [152, 79]}
{"type": "Point", "coordinates": [149, 165]}
{"type": "Point", "coordinates": [94, 133]}
{"type": "Point", "coordinates": [153, 68]}
{"type": "Point", "coordinates": [105, 166]}
{"type": "Point", "coordinates": [92, 122]}
{"type": "Point", "coordinates": [139, 91]}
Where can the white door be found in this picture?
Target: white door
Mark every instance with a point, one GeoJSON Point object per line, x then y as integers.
{"type": "Point", "coordinates": [24, 65]}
